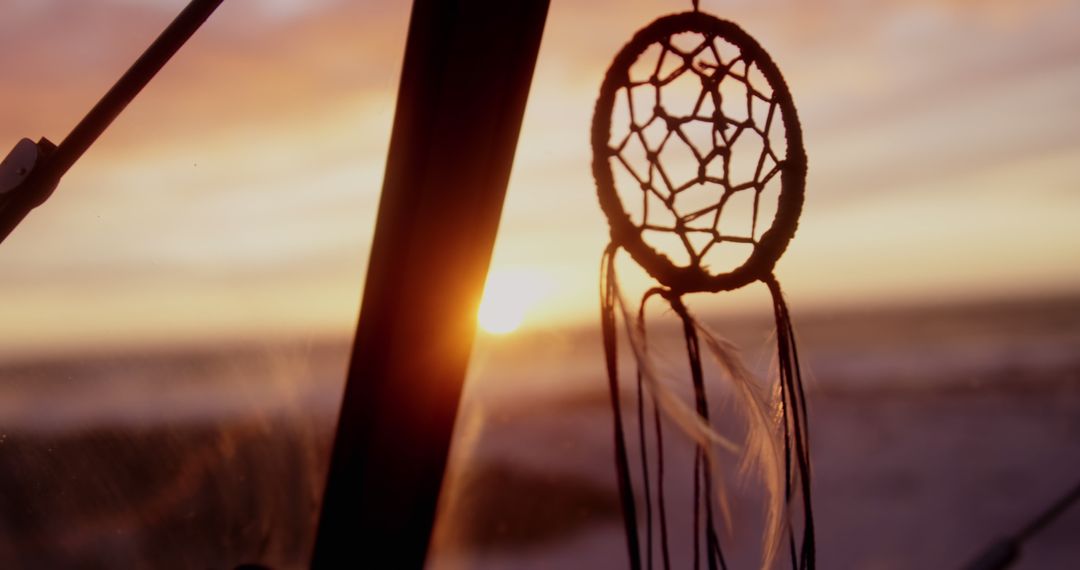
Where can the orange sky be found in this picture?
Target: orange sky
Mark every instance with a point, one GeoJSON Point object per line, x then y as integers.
{"type": "Point", "coordinates": [235, 197]}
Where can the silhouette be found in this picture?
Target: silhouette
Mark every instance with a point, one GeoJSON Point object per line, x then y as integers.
{"type": "Point", "coordinates": [710, 121]}
{"type": "Point", "coordinates": [467, 71]}
{"type": "Point", "coordinates": [466, 76]}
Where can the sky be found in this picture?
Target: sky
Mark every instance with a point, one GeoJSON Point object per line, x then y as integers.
{"type": "Point", "coordinates": [235, 198]}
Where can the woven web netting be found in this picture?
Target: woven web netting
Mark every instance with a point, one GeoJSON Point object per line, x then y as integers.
{"type": "Point", "coordinates": [697, 145]}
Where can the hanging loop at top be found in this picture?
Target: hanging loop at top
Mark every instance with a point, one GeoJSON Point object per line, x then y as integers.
{"type": "Point", "coordinates": [697, 5]}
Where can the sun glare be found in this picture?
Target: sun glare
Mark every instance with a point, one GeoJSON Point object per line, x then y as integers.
{"type": "Point", "coordinates": [509, 295]}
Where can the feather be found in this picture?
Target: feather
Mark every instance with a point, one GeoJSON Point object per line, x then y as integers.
{"type": "Point", "coordinates": [760, 454]}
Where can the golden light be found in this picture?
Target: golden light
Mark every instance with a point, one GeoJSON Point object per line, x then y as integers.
{"type": "Point", "coordinates": [509, 295]}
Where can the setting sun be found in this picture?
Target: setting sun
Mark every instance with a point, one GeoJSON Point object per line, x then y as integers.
{"type": "Point", "coordinates": [509, 295]}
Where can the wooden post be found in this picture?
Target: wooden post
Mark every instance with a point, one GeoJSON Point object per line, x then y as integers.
{"type": "Point", "coordinates": [466, 75]}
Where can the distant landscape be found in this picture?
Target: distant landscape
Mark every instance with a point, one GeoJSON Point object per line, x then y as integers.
{"type": "Point", "coordinates": [935, 429]}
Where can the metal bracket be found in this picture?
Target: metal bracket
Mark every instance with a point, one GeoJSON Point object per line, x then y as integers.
{"type": "Point", "coordinates": [25, 181]}
{"type": "Point", "coordinates": [15, 169]}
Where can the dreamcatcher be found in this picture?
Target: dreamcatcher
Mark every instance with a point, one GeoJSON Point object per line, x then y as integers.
{"type": "Point", "coordinates": [694, 121]}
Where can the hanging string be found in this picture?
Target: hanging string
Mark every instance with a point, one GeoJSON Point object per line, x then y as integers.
{"type": "Point", "coordinates": [608, 296]}
{"type": "Point", "coordinates": [762, 450]}
{"type": "Point", "coordinates": [696, 3]}
{"type": "Point", "coordinates": [705, 462]}
{"type": "Point", "coordinates": [643, 453]}
{"type": "Point", "coordinates": [714, 554]}
{"type": "Point", "coordinates": [796, 430]}
{"type": "Point", "coordinates": [658, 434]}
{"type": "Point", "coordinates": [660, 500]}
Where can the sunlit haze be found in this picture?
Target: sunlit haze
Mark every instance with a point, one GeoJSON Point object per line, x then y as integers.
{"type": "Point", "coordinates": [235, 198]}
{"type": "Point", "coordinates": [510, 296]}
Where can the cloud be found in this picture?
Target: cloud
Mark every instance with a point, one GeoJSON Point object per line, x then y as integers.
{"type": "Point", "coordinates": [256, 156]}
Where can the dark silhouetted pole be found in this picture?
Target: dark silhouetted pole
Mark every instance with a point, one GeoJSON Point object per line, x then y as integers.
{"type": "Point", "coordinates": [465, 79]}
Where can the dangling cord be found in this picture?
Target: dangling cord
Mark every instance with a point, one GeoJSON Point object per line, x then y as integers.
{"type": "Point", "coordinates": [697, 508]}
{"type": "Point", "coordinates": [803, 440]}
{"type": "Point", "coordinates": [622, 465]}
{"type": "Point", "coordinates": [643, 451]}
{"type": "Point", "coordinates": [661, 502]}
{"type": "Point", "coordinates": [714, 553]}
{"type": "Point", "coordinates": [659, 435]}
{"type": "Point", "coordinates": [796, 428]}
{"type": "Point", "coordinates": [784, 405]}
{"type": "Point", "coordinates": [795, 425]}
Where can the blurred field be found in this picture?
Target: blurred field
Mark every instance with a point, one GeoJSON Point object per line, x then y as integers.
{"type": "Point", "coordinates": [935, 429]}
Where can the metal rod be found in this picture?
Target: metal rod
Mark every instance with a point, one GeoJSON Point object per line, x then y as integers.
{"type": "Point", "coordinates": [465, 79]}
{"type": "Point", "coordinates": [56, 161]}
{"type": "Point", "coordinates": [130, 84]}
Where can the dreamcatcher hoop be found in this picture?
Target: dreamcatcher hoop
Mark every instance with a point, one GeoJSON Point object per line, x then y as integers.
{"type": "Point", "coordinates": [778, 427]}
{"type": "Point", "coordinates": [792, 168]}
